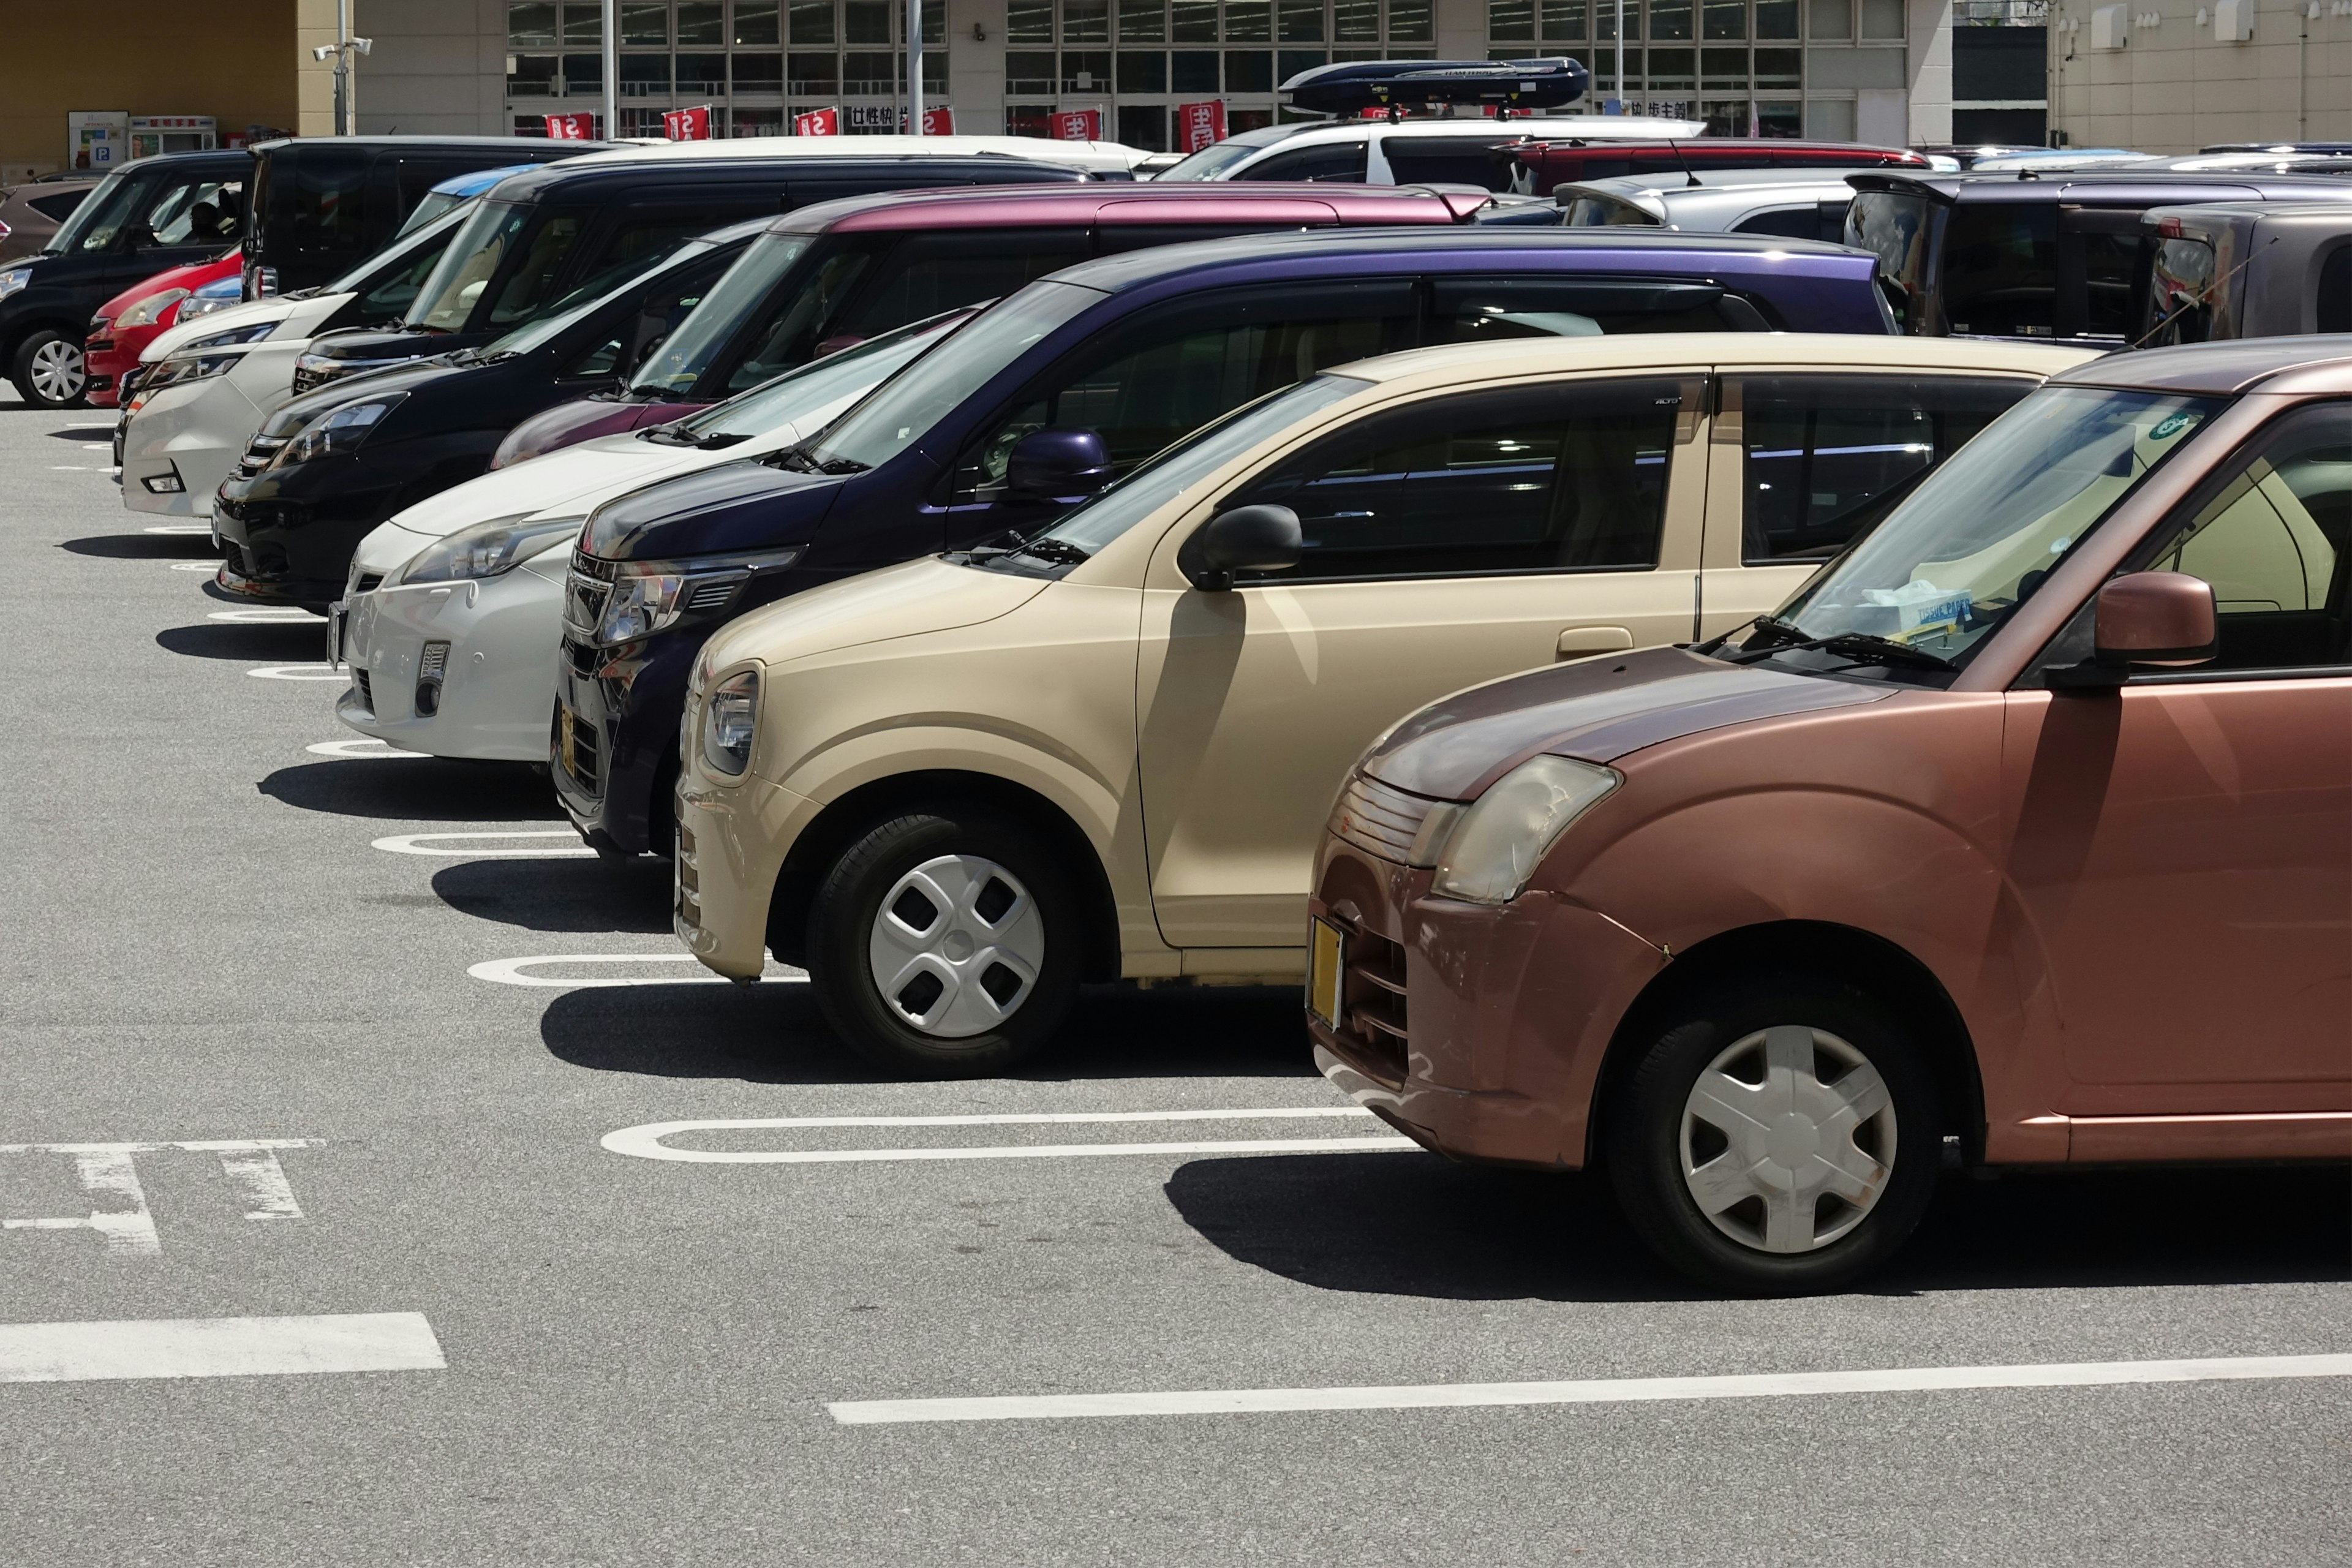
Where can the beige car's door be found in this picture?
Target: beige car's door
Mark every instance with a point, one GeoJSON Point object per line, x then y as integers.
{"type": "Point", "coordinates": [1450, 540]}
{"type": "Point", "coordinates": [1803, 462]}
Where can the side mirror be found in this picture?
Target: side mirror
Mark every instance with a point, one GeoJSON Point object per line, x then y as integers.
{"type": "Point", "coordinates": [1057, 464]}
{"type": "Point", "coordinates": [1246, 539]}
{"type": "Point", "coordinates": [2161, 618]}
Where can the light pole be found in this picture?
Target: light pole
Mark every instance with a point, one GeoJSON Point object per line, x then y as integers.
{"type": "Point", "coordinates": [612, 72]}
{"type": "Point", "coordinates": [1621, 57]}
{"type": "Point", "coordinates": [914, 68]}
{"type": "Point", "coordinates": [347, 114]}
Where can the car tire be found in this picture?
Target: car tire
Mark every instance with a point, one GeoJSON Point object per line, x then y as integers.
{"type": "Point", "coordinates": [1818, 1177]}
{"type": "Point", "coordinates": [50, 371]}
{"type": "Point", "coordinates": [944, 943]}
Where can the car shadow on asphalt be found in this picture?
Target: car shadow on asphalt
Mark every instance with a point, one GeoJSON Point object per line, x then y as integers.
{"type": "Point", "coordinates": [777, 1034]}
{"type": "Point", "coordinates": [418, 789]}
{"type": "Point", "coordinates": [143, 546]}
{"type": "Point", "coordinates": [1414, 1225]}
{"type": "Point", "coordinates": [106, 434]}
{"type": "Point", "coordinates": [265, 642]}
{"type": "Point", "coordinates": [628, 897]}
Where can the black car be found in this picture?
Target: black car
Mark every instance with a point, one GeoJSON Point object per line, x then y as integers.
{"type": "Point", "coordinates": [329, 466]}
{"type": "Point", "coordinates": [548, 233]}
{"type": "Point", "coordinates": [323, 204]}
{"type": "Point", "coordinates": [149, 217]}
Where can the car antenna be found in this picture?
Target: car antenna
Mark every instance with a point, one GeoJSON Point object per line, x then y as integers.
{"type": "Point", "coordinates": [1676, 148]}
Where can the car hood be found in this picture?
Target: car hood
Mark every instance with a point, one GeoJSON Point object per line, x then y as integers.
{"type": "Point", "coordinates": [1596, 710]}
{"type": "Point", "coordinates": [192, 277]}
{"type": "Point", "coordinates": [723, 509]}
{"type": "Point", "coordinates": [902, 601]}
{"type": "Point", "coordinates": [293, 415]}
{"type": "Point", "coordinates": [253, 312]}
{"type": "Point", "coordinates": [575, 480]}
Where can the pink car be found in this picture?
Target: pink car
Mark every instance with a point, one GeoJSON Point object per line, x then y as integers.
{"type": "Point", "coordinates": [2023, 832]}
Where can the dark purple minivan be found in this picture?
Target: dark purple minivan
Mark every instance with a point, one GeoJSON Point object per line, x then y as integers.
{"type": "Point", "coordinates": [1065, 385]}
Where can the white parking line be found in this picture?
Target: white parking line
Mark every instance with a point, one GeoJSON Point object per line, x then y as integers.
{"type": "Point", "coordinates": [364, 747]}
{"type": "Point", "coordinates": [297, 672]}
{"type": "Point", "coordinates": [179, 530]}
{"type": "Point", "coordinates": [110, 1172]}
{"type": "Point", "coordinates": [428, 844]}
{"type": "Point", "coordinates": [512, 970]}
{"type": "Point", "coordinates": [218, 1347]}
{"type": "Point", "coordinates": [647, 1142]}
{"type": "Point", "coordinates": [1595, 1391]}
{"type": "Point", "coordinates": [197, 565]}
{"type": "Point", "coordinates": [270, 616]}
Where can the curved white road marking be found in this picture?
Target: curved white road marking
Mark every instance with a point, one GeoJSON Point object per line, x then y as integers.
{"type": "Point", "coordinates": [297, 672]}
{"type": "Point", "coordinates": [514, 970]}
{"type": "Point", "coordinates": [181, 530]}
{"type": "Point", "coordinates": [646, 1142]}
{"type": "Point", "coordinates": [429, 844]}
{"type": "Point", "coordinates": [270, 616]}
{"type": "Point", "coordinates": [365, 746]}
{"type": "Point", "coordinates": [197, 565]}
{"type": "Point", "coordinates": [1588, 1391]}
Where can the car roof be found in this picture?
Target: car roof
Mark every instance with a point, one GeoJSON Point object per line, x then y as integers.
{"type": "Point", "coordinates": [1037, 205]}
{"type": "Point", "coordinates": [1675, 184]}
{"type": "Point", "coordinates": [2293, 364]}
{"type": "Point", "coordinates": [2122, 186]}
{"type": "Point", "coordinates": [2232, 212]}
{"type": "Point", "coordinates": [600, 169]}
{"type": "Point", "coordinates": [1411, 248]}
{"type": "Point", "coordinates": [1595, 128]}
{"type": "Point", "coordinates": [1036, 149]}
{"type": "Point", "coordinates": [1633, 351]}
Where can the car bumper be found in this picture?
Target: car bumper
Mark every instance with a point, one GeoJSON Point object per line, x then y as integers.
{"type": "Point", "coordinates": [497, 665]}
{"type": "Point", "coordinates": [192, 433]}
{"type": "Point", "coordinates": [1492, 1050]}
{"type": "Point", "coordinates": [287, 549]}
{"type": "Point", "coordinates": [732, 841]}
{"type": "Point", "coordinates": [624, 705]}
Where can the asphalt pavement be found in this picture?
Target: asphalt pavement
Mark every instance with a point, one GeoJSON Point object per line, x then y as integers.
{"type": "Point", "coordinates": [298, 1068]}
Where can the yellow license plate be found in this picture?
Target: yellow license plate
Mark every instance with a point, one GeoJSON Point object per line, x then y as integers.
{"type": "Point", "coordinates": [563, 746]}
{"type": "Point", "coordinates": [1326, 971]}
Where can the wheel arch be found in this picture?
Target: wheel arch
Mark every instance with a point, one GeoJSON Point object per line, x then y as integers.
{"type": "Point", "coordinates": [1839, 955]}
{"type": "Point", "coordinates": [842, 820]}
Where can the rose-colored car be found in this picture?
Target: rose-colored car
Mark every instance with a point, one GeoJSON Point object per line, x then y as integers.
{"type": "Point", "coordinates": [2026, 823]}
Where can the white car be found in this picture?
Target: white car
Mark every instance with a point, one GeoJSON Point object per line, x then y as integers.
{"type": "Point", "coordinates": [1411, 152]}
{"type": "Point", "coordinates": [207, 385]}
{"type": "Point", "coordinates": [452, 614]}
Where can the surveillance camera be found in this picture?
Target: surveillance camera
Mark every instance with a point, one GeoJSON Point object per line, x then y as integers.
{"type": "Point", "coordinates": [364, 46]}
{"type": "Point", "coordinates": [323, 51]}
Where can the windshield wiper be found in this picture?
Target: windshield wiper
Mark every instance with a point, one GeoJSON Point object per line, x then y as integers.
{"type": "Point", "coordinates": [1060, 552]}
{"type": "Point", "coordinates": [842, 465]}
{"type": "Point", "coordinates": [667, 436]}
{"type": "Point", "coordinates": [1861, 645]}
{"type": "Point", "coordinates": [792, 457]}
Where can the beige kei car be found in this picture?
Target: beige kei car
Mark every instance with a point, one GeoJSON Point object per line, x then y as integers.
{"type": "Point", "coordinates": [955, 789]}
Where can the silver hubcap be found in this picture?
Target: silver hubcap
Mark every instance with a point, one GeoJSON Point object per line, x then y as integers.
{"type": "Point", "coordinates": [1788, 1139]}
{"type": "Point", "coordinates": [56, 370]}
{"type": "Point", "coordinates": [957, 947]}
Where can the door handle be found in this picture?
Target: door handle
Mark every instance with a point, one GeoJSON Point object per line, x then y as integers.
{"type": "Point", "coordinates": [1576, 642]}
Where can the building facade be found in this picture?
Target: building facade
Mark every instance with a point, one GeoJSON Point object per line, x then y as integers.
{"type": "Point", "coordinates": [2172, 76]}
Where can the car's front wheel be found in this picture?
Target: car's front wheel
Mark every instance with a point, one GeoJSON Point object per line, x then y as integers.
{"type": "Point", "coordinates": [943, 942]}
{"type": "Point", "coordinates": [48, 371]}
{"type": "Point", "coordinates": [1777, 1138]}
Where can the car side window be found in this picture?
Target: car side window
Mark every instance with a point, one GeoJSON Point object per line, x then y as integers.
{"type": "Point", "coordinates": [2000, 269]}
{"type": "Point", "coordinates": [926, 274]}
{"type": "Point", "coordinates": [1332, 160]}
{"type": "Point", "coordinates": [2270, 536]}
{"type": "Point", "coordinates": [394, 293]}
{"type": "Point", "coordinates": [531, 282]}
{"type": "Point", "coordinates": [2335, 302]}
{"type": "Point", "coordinates": [1485, 310]}
{"type": "Point", "coordinates": [1450, 160]}
{"type": "Point", "coordinates": [634, 336]}
{"type": "Point", "coordinates": [1793, 223]}
{"type": "Point", "coordinates": [1556, 478]}
{"type": "Point", "coordinates": [1823, 458]}
{"type": "Point", "coordinates": [201, 212]}
{"type": "Point", "coordinates": [1169, 377]}
{"type": "Point", "coordinates": [791, 337]}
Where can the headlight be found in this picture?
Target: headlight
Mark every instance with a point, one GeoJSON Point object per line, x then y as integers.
{"type": "Point", "coordinates": [205, 302]}
{"type": "Point", "coordinates": [233, 337]}
{"type": "Point", "coordinates": [728, 719]}
{"type": "Point", "coordinates": [648, 597]}
{"type": "Point", "coordinates": [336, 434]}
{"type": "Point", "coordinates": [1486, 852]}
{"type": "Point", "coordinates": [485, 549]}
{"type": "Point", "coordinates": [14, 278]}
{"type": "Point", "coordinates": [175, 370]}
{"type": "Point", "coordinates": [145, 313]}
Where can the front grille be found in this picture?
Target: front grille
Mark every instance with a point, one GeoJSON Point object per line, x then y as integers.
{"type": "Point", "coordinates": [305, 378]}
{"type": "Point", "coordinates": [1372, 998]}
{"type": "Point", "coordinates": [1378, 819]}
{"type": "Point", "coordinates": [367, 692]}
{"type": "Point", "coordinates": [256, 455]}
{"type": "Point", "coordinates": [584, 749]}
{"type": "Point", "coordinates": [712, 592]}
{"type": "Point", "coordinates": [586, 591]}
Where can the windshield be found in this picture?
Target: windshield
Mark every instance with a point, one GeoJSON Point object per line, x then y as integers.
{"type": "Point", "coordinates": [432, 205]}
{"type": "Point", "coordinates": [806, 394]}
{"type": "Point", "coordinates": [722, 312]}
{"type": "Point", "coordinates": [584, 300]}
{"type": "Point", "coordinates": [1178, 468]}
{"type": "Point", "coordinates": [902, 410]}
{"type": "Point", "coordinates": [1984, 530]}
{"type": "Point", "coordinates": [402, 255]}
{"type": "Point", "coordinates": [1893, 227]}
{"type": "Point", "coordinates": [99, 218]}
{"type": "Point", "coordinates": [1211, 161]}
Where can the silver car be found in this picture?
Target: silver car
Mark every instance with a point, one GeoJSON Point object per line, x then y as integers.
{"type": "Point", "coordinates": [1802, 204]}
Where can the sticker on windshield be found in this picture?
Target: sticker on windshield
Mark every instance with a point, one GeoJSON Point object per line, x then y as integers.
{"type": "Point", "coordinates": [2172, 424]}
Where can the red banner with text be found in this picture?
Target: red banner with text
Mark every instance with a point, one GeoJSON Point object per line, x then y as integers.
{"type": "Point", "coordinates": [1200, 125]}
{"type": "Point", "coordinates": [817, 122]}
{"type": "Point", "coordinates": [939, 122]}
{"type": "Point", "coordinates": [687, 124]}
{"type": "Point", "coordinates": [1077, 125]}
{"type": "Point", "coordinates": [571, 127]}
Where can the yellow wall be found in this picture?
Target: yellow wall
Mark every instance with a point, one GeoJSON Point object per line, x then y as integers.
{"type": "Point", "coordinates": [236, 62]}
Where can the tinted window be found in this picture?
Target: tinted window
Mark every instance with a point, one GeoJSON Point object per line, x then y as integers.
{"type": "Point", "coordinates": [2181, 307]}
{"type": "Point", "coordinates": [530, 283]}
{"type": "Point", "coordinates": [2001, 268]}
{"type": "Point", "coordinates": [1825, 457]}
{"type": "Point", "coordinates": [925, 274]}
{"type": "Point", "coordinates": [2107, 261]}
{"type": "Point", "coordinates": [2269, 539]}
{"type": "Point", "coordinates": [1341, 160]}
{"type": "Point", "coordinates": [56, 208]}
{"type": "Point", "coordinates": [197, 212]}
{"type": "Point", "coordinates": [1175, 370]}
{"type": "Point", "coordinates": [628, 336]}
{"type": "Point", "coordinates": [388, 296]}
{"type": "Point", "coordinates": [1796, 223]}
{"type": "Point", "coordinates": [1481, 309]}
{"type": "Point", "coordinates": [2335, 292]}
{"type": "Point", "coordinates": [318, 204]}
{"type": "Point", "coordinates": [1531, 480]}
{"type": "Point", "coordinates": [1452, 160]}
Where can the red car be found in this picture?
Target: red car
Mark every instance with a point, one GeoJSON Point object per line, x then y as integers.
{"type": "Point", "coordinates": [1551, 164]}
{"type": "Point", "coordinates": [127, 324]}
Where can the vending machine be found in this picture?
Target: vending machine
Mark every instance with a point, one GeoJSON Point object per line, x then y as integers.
{"type": "Point", "coordinates": [153, 133]}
